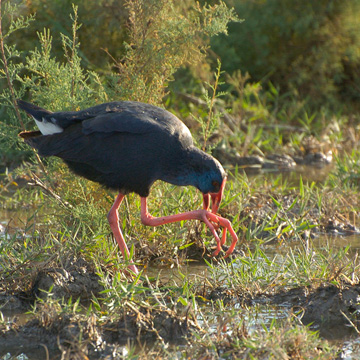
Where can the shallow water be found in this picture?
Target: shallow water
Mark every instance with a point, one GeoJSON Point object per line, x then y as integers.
{"type": "Point", "coordinates": [292, 175]}
{"type": "Point", "coordinates": [18, 351]}
{"type": "Point", "coordinates": [12, 221]}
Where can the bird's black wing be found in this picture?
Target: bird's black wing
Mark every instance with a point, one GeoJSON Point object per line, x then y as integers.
{"type": "Point", "coordinates": [64, 119]}
{"type": "Point", "coordinates": [121, 116]}
{"type": "Point", "coordinates": [133, 117]}
{"type": "Point", "coordinates": [120, 122]}
{"type": "Point", "coordinates": [110, 124]}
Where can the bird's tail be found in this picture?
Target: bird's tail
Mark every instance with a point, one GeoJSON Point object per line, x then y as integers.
{"type": "Point", "coordinates": [35, 111]}
{"type": "Point", "coordinates": [46, 124]}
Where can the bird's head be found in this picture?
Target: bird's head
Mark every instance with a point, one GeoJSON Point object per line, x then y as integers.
{"type": "Point", "coordinates": [212, 184]}
{"type": "Point", "coordinates": [203, 171]}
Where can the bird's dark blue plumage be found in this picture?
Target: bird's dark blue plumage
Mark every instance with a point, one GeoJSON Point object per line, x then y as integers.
{"type": "Point", "coordinates": [125, 146]}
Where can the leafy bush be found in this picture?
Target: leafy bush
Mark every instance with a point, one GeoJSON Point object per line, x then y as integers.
{"type": "Point", "coordinates": [310, 48]}
{"type": "Point", "coordinates": [161, 37]}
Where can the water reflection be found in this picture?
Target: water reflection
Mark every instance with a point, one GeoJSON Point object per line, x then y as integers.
{"type": "Point", "coordinates": [351, 349]}
{"type": "Point", "coordinates": [292, 175]}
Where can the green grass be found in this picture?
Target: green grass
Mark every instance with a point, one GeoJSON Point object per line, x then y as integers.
{"type": "Point", "coordinates": [71, 219]}
{"type": "Point", "coordinates": [271, 216]}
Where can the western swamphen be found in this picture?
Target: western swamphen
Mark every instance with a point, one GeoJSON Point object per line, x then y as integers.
{"type": "Point", "coordinates": [127, 146]}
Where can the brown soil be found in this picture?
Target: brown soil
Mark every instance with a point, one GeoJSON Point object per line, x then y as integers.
{"type": "Point", "coordinates": [327, 308]}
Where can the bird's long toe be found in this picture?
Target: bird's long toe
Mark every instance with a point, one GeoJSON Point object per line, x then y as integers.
{"type": "Point", "coordinates": [218, 249]}
{"type": "Point", "coordinates": [226, 224]}
{"type": "Point", "coordinates": [223, 237]}
{"type": "Point", "coordinates": [234, 241]}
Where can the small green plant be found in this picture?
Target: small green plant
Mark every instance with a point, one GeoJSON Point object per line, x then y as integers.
{"type": "Point", "coordinates": [163, 37]}
{"type": "Point", "coordinates": [10, 67]}
{"type": "Point", "coordinates": [348, 170]}
{"type": "Point", "coordinates": [55, 85]}
{"type": "Point", "coordinates": [211, 124]}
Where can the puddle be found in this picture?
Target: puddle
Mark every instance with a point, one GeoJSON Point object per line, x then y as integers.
{"type": "Point", "coordinates": [36, 352]}
{"type": "Point", "coordinates": [292, 175]}
{"type": "Point", "coordinates": [322, 242]}
{"type": "Point", "coordinates": [351, 349]}
{"type": "Point", "coordinates": [14, 316]}
{"type": "Point", "coordinates": [338, 242]}
{"type": "Point", "coordinates": [18, 351]}
{"type": "Point", "coordinates": [190, 271]}
{"type": "Point", "coordinates": [13, 221]}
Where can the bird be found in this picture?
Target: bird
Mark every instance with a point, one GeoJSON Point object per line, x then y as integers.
{"type": "Point", "coordinates": [126, 146]}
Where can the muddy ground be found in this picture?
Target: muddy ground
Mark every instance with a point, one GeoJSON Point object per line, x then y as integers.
{"type": "Point", "coordinates": [328, 308]}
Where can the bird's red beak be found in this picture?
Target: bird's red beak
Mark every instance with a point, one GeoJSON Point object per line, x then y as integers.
{"type": "Point", "coordinates": [215, 198]}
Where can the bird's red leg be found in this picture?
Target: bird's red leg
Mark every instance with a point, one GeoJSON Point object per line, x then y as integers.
{"type": "Point", "coordinates": [113, 218]}
{"type": "Point", "coordinates": [203, 215]}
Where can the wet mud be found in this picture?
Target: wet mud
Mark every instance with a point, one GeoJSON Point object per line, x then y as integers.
{"type": "Point", "coordinates": [75, 281]}
{"type": "Point", "coordinates": [52, 331]}
{"type": "Point", "coordinates": [329, 309]}
{"type": "Point", "coordinates": [83, 337]}
{"type": "Point", "coordinates": [332, 310]}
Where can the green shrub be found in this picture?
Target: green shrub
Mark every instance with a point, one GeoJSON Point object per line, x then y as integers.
{"type": "Point", "coordinates": [161, 37]}
{"type": "Point", "coordinates": [308, 47]}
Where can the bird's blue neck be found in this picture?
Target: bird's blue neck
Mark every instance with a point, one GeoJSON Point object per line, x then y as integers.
{"type": "Point", "coordinates": [190, 178]}
{"type": "Point", "coordinates": [194, 167]}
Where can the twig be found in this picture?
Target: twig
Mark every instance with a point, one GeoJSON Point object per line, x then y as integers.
{"type": "Point", "coordinates": [46, 351]}
{"type": "Point", "coordinates": [38, 182]}
{"type": "Point", "coordinates": [351, 322]}
{"type": "Point", "coordinates": [6, 68]}
{"type": "Point", "coordinates": [211, 106]}
{"type": "Point", "coordinates": [228, 119]}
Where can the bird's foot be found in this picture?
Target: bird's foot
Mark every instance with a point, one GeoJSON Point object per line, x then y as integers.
{"type": "Point", "coordinates": [210, 219]}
